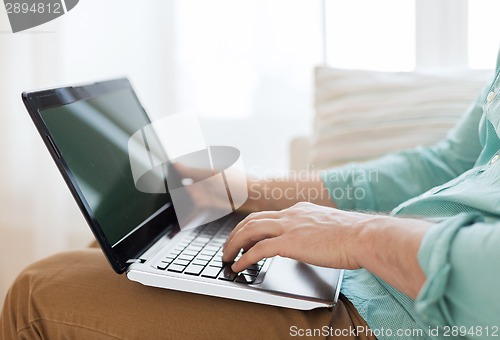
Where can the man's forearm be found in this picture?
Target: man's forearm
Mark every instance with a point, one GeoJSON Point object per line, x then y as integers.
{"type": "Point", "coordinates": [388, 247]}
{"type": "Point", "coordinates": [281, 193]}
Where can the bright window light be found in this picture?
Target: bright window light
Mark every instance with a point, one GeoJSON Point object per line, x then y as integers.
{"type": "Point", "coordinates": [238, 59]}
{"type": "Point", "coordinates": [371, 34]}
{"type": "Point", "coordinates": [484, 33]}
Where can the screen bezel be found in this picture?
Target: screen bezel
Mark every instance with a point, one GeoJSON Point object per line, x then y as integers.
{"type": "Point", "coordinates": [137, 243]}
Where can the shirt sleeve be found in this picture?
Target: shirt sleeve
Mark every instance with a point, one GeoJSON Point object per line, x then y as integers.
{"type": "Point", "coordinates": [460, 257]}
{"type": "Point", "coordinates": [383, 184]}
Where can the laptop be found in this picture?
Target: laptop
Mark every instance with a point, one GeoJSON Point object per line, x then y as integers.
{"type": "Point", "coordinates": [86, 130]}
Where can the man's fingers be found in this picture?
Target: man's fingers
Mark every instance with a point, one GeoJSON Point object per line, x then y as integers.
{"type": "Point", "coordinates": [251, 217]}
{"type": "Point", "coordinates": [253, 232]}
{"type": "Point", "coordinates": [263, 249]}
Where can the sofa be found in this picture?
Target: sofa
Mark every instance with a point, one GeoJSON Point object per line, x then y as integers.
{"type": "Point", "coordinates": [361, 114]}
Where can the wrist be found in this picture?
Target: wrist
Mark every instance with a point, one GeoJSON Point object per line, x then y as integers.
{"type": "Point", "coordinates": [367, 233]}
{"type": "Point", "coordinates": [388, 247]}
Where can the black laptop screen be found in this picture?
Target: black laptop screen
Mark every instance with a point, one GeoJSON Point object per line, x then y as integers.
{"type": "Point", "coordinates": [92, 137]}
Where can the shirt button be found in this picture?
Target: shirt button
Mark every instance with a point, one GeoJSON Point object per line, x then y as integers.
{"type": "Point", "coordinates": [491, 96]}
{"type": "Point", "coordinates": [495, 159]}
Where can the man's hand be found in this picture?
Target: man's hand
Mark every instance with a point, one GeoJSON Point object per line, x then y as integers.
{"type": "Point", "coordinates": [306, 232]}
{"type": "Point", "coordinates": [327, 237]}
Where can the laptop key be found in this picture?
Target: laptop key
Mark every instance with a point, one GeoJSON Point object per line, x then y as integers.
{"type": "Point", "coordinates": [211, 272]}
{"type": "Point", "coordinates": [193, 269]}
{"type": "Point", "coordinates": [227, 274]}
{"type": "Point", "coordinates": [162, 266]}
{"type": "Point", "coordinates": [254, 267]}
{"type": "Point", "coordinates": [174, 253]}
{"type": "Point", "coordinates": [181, 262]}
{"type": "Point", "coordinates": [250, 272]}
{"type": "Point", "coordinates": [200, 262]}
{"type": "Point", "coordinates": [176, 268]}
{"type": "Point", "coordinates": [208, 252]}
{"type": "Point", "coordinates": [203, 257]}
{"type": "Point", "coordinates": [186, 257]}
{"type": "Point", "coordinates": [202, 239]}
{"type": "Point", "coordinates": [216, 264]}
{"type": "Point", "coordinates": [242, 278]}
{"type": "Point", "coordinates": [194, 248]}
{"type": "Point", "coordinates": [190, 252]}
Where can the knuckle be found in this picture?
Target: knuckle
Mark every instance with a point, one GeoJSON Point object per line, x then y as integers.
{"type": "Point", "coordinates": [302, 205]}
{"type": "Point", "coordinates": [252, 223]}
{"type": "Point", "coordinates": [253, 215]}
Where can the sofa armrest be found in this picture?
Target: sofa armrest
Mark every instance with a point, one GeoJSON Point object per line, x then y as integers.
{"type": "Point", "coordinates": [300, 153]}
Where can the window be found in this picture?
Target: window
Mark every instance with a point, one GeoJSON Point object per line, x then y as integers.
{"type": "Point", "coordinates": [400, 35]}
{"type": "Point", "coordinates": [371, 34]}
{"type": "Point", "coordinates": [483, 35]}
{"type": "Point", "coordinates": [238, 59]}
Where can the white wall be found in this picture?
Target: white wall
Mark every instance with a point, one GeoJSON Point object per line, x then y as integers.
{"type": "Point", "coordinates": [95, 41]}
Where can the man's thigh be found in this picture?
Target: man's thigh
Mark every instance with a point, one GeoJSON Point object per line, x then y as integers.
{"type": "Point", "coordinates": [77, 295]}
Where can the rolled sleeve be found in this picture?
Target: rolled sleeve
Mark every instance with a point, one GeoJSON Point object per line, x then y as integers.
{"type": "Point", "coordinates": [460, 257]}
{"type": "Point", "coordinates": [383, 184]}
{"type": "Point", "coordinates": [378, 185]}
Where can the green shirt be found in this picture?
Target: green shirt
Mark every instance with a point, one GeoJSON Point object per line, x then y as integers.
{"type": "Point", "coordinates": [455, 183]}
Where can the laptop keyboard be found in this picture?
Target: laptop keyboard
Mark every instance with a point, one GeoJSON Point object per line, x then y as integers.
{"type": "Point", "coordinates": [200, 254]}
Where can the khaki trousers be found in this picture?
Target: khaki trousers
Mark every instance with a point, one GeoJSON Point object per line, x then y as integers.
{"type": "Point", "coordinates": [76, 295]}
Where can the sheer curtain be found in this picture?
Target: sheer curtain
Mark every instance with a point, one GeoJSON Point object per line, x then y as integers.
{"type": "Point", "coordinates": [26, 174]}
{"type": "Point", "coordinates": [95, 41]}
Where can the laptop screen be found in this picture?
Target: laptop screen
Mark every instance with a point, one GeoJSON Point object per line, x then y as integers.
{"type": "Point", "coordinates": [92, 137]}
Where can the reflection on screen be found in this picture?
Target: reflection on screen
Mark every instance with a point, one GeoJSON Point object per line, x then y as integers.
{"type": "Point", "coordinates": [92, 136]}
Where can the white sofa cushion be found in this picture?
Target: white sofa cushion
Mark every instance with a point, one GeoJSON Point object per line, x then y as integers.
{"type": "Point", "coordinates": [363, 114]}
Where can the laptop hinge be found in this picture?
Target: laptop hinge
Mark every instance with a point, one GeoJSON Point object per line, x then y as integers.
{"type": "Point", "coordinates": [136, 261]}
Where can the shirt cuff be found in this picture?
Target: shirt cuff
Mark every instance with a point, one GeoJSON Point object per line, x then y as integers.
{"type": "Point", "coordinates": [433, 256]}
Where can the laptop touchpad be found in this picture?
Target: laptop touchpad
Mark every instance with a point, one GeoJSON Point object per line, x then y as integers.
{"type": "Point", "coordinates": [297, 278]}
